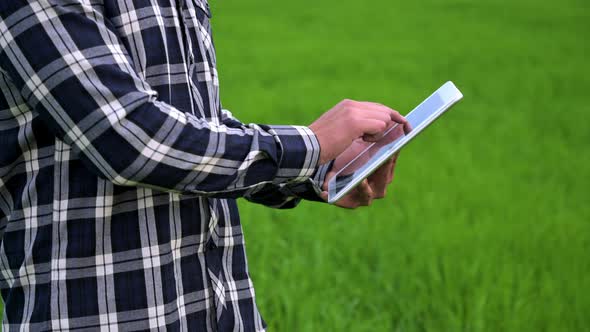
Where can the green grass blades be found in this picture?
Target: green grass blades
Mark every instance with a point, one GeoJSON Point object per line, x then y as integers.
{"type": "Point", "coordinates": [487, 225]}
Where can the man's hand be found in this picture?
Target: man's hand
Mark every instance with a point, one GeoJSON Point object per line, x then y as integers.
{"type": "Point", "coordinates": [350, 120]}
{"type": "Point", "coordinates": [355, 156]}
{"type": "Point", "coordinates": [374, 187]}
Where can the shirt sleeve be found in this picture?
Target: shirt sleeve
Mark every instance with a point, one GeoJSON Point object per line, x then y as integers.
{"type": "Point", "coordinates": [74, 72]}
{"type": "Point", "coordinates": [284, 195]}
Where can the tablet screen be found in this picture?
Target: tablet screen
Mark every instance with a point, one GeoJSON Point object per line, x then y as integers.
{"type": "Point", "coordinates": [371, 155]}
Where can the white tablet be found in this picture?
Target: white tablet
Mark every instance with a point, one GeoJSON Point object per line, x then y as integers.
{"type": "Point", "coordinates": [376, 154]}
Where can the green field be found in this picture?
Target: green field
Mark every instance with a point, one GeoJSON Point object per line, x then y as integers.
{"type": "Point", "coordinates": [487, 225]}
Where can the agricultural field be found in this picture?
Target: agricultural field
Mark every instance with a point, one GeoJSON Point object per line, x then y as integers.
{"type": "Point", "coordinates": [487, 224]}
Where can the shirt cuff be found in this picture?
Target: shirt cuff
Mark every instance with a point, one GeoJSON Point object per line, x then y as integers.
{"type": "Point", "coordinates": [300, 153]}
{"type": "Point", "coordinates": [311, 188]}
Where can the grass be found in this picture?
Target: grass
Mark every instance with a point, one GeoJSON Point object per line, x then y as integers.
{"type": "Point", "coordinates": [487, 225]}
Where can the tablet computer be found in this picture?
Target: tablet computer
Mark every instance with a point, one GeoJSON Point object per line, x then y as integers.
{"type": "Point", "coordinates": [377, 153]}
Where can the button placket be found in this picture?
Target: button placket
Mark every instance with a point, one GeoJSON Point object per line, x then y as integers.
{"type": "Point", "coordinates": [189, 51]}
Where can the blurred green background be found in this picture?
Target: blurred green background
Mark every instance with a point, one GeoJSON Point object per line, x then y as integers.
{"type": "Point", "coordinates": [487, 225]}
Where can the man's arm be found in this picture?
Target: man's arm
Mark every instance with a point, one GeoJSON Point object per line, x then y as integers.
{"type": "Point", "coordinates": [285, 195]}
{"type": "Point", "coordinates": [72, 69]}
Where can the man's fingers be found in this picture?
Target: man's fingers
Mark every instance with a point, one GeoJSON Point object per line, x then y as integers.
{"type": "Point", "coordinates": [327, 179]}
{"type": "Point", "coordinates": [386, 173]}
{"type": "Point", "coordinates": [395, 115]}
{"type": "Point", "coordinates": [375, 115]}
{"type": "Point", "coordinates": [382, 178]}
{"type": "Point", "coordinates": [380, 175]}
{"type": "Point", "coordinates": [364, 193]}
{"type": "Point", "coordinates": [371, 112]}
{"type": "Point", "coordinates": [392, 171]}
{"type": "Point", "coordinates": [372, 128]}
{"type": "Point", "coordinates": [378, 180]}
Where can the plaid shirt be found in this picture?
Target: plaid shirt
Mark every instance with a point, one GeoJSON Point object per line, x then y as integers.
{"type": "Point", "coordinates": [119, 170]}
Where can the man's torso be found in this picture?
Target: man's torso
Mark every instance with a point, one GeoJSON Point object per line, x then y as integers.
{"type": "Point", "coordinates": [78, 252]}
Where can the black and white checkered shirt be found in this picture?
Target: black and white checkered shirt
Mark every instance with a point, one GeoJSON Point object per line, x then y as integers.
{"type": "Point", "coordinates": [119, 170]}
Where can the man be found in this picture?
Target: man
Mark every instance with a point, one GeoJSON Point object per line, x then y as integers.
{"type": "Point", "coordinates": [119, 169]}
